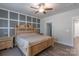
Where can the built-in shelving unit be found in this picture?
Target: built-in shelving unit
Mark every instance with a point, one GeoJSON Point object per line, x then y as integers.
{"type": "Point", "coordinates": [8, 20]}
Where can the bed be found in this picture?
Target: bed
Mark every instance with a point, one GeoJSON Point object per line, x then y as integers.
{"type": "Point", "coordinates": [30, 42]}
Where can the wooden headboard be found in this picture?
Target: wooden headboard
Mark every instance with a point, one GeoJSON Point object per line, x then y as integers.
{"type": "Point", "coordinates": [25, 28]}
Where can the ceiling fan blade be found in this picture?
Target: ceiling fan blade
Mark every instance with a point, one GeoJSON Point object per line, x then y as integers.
{"type": "Point", "coordinates": [34, 7]}
{"type": "Point", "coordinates": [48, 8]}
{"type": "Point", "coordinates": [36, 12]}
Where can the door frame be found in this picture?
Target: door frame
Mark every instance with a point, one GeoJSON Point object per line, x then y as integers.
{"type": "Point", "coordinates": [73, 28]}
{"type": "Point", "coordinates": [52, 28]}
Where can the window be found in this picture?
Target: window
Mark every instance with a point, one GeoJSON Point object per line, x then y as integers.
{"type": "Point", "coordinates": [7, 25]}
{"type": "Point", "coordinates": [34, 19]}
{"type": "Point", "coordinates": [13, 16]}
{"type": "Point", "coordinates": [3, 14]}
{"type": "Point", "coordinates": [34, 25]}
{"type": "Point", "coordinates": [12, 32]}
{"type": "Point", "coordinates": [13, 23]}
{"type": "Point", "coordinates": [3, 32]}
{"type": "Point", "coordinates": [28, 19]}
{"type": "Point", "coordinates": [3, 23]}
{"type": "Point", "coordinates": [22, 17]}
{"type": "Point", "coordinates": [38, 20]}
{"type": "Point", "coordinates": [38, 25]}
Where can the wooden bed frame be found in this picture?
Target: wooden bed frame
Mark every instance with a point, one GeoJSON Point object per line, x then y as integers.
{"type": "Point", "coordinates": [35, 49]}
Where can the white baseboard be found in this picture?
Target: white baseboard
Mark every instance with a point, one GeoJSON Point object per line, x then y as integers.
{"type": "Point", "coordinates": [64, 44]}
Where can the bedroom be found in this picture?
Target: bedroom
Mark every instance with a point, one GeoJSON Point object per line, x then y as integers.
{"type": "Point", "coordinates": [27, 29]}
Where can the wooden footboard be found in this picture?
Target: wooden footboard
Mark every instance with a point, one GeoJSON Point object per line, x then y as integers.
{"type": "Point", "coordinates": [41, 46]}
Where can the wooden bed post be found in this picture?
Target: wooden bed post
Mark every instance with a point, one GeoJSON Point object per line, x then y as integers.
{"type": "Point", "coordinates": [28, 50]}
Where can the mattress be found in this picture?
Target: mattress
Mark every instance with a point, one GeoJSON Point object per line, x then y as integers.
{"type": "Point", "coordinates": [30, 40]}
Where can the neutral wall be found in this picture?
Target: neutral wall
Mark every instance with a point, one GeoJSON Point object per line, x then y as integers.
{"type": "Point", "coordinates": [61, 25]}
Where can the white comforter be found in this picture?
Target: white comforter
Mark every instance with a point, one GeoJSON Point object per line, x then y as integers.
{"type": "Point", "coordinates": [30, 40]}
{"type": "Point", "coordinates": [24, 41]}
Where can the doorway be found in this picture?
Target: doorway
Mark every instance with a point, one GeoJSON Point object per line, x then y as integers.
{"type": "Point", "coordinates": [76, 28]}
{"type": "Point", "coordinates": [49, 29]}
{"type": "Point", "coordinates": [76, 34]}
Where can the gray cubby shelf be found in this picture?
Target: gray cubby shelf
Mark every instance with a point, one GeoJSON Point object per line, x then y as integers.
{"type": "Point", "coordinates": [9, 19]}
{"type": "Point", "coordinates": [34, 25]}
{"type": "Point", "coordinates": [13, 23]}
{"type": "Point", "coordinates": [3, 13]}
{"type": "Point", "coordinates": [13, 15]}
{"type": "Point", "coordinates": [22, 23]}
{"type": "Point", "coordinates": [38, 25]}
{"type": "Point", "coordinates": [3, 32]}
{"type": "Point", "coordinates": [38, 20]}
{"type": "Point", "coordinates": [3, 23]}
{"type": "Point", "coordinates": [12, 32]}
{"type": "Point", "coordinates": [34, 20]}
{"type": "Point", "coordinates": [28, 19]}
{"type": "Point", "coordinates": [22, 17]}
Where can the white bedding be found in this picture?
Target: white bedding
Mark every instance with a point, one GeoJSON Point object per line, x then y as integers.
{"type": "Point", "coordinates": [31, 39]}
{"type": "Point", "coordinates": [27, 40]}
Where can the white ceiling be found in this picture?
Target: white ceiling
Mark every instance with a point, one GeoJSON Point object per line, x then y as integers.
{"type": "Point", "coordinates": [25, 8]}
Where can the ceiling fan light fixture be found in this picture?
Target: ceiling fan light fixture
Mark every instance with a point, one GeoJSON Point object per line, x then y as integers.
{"type": "Point", "coordinates": [35, 4]}
{"type": "Point", "coordinates": [42, 7]}
{"type": "Point", "coordinates": [41, 10]}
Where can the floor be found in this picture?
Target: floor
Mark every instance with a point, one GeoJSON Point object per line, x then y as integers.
{"type": "Point", "coordinates": [76, 45]}
{"type": "Point", "coordinates": [11, 52]}
{"type": "Point", "coordinates": [58, 50]}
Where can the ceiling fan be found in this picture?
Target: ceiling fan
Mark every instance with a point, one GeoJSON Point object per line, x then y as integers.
{"type": "Point", "coordinates": [42, 7]}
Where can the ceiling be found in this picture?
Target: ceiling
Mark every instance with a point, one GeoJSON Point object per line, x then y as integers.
{"type": "Point", "coordinates": [25, 8]}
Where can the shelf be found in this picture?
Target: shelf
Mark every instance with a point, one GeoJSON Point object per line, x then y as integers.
{"type": "Point", "coordinates": [9, 19]}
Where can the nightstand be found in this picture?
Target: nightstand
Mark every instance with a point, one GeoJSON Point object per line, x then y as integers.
{"type": "Point", "coordinates": [6, 42]}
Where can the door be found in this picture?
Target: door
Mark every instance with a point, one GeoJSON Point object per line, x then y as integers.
{"type": "Point", "coordinates": [49, 29]}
